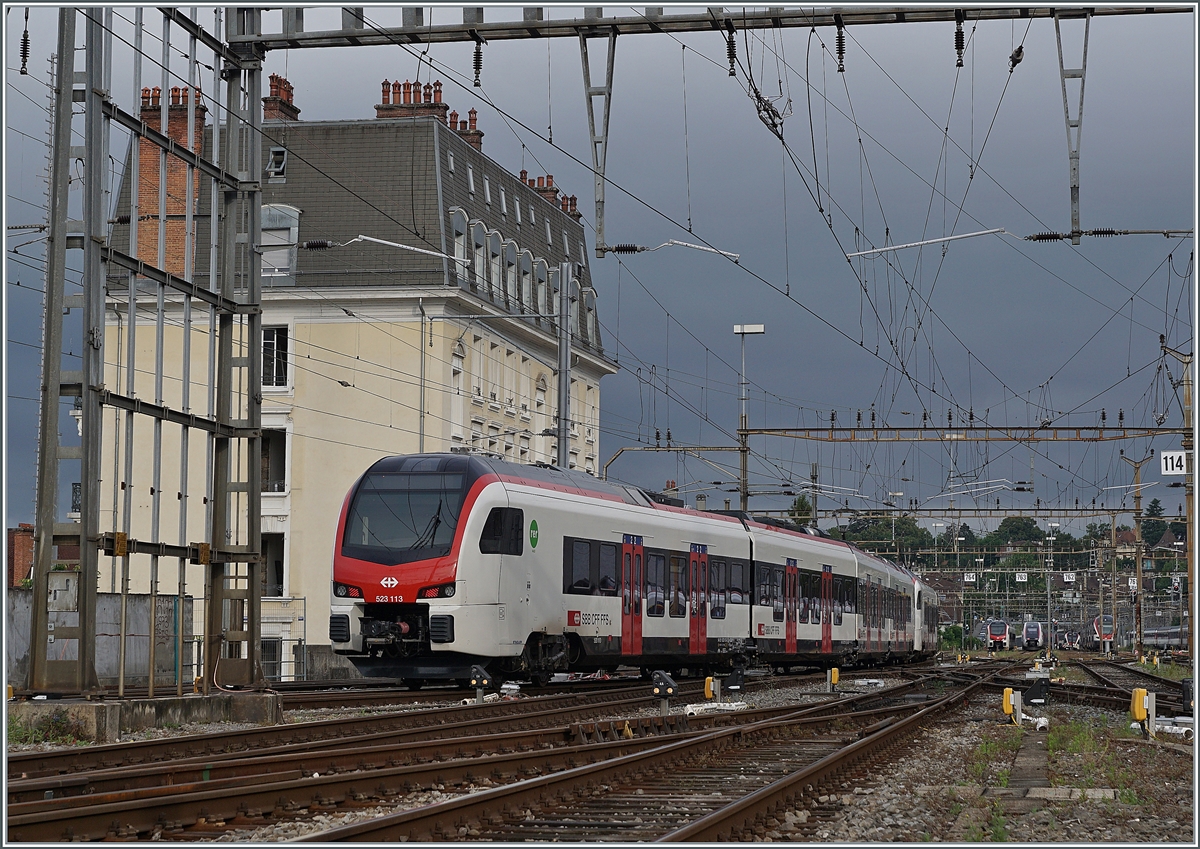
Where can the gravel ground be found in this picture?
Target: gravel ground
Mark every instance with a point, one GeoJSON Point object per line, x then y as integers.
{"type": "Point", "coordinates": [933, 794]}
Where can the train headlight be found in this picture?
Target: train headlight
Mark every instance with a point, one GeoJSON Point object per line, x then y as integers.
{"type": "Point", "coordinates": [346, 591]}
{"type": "Point", "coordinates": [440, 591]}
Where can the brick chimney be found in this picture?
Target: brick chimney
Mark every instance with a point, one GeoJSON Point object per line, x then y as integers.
{"type": "Point", "coordinates": [469, 131]}
{"type": "Point", "coordinates": [20, 553]}
{"type": "Point", "coordinates": [279, 106]}
{"type": "Point", "coordinates": [148, 159]}
{"type": "Point", "coordinates": [412, 100]}
{"type": "Point", "coordinates": [544, 186]}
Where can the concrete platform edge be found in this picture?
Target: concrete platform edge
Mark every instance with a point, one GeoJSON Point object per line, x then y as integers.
{"type": "Point", "coordinates": [105, 721]}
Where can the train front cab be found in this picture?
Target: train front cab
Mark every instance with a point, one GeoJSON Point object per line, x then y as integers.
{"type": "Point", "coordinates": [425, 547]}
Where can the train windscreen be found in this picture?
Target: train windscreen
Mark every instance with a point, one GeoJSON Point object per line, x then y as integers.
{"type": "Point", "coordinates": [998, 629]}
{"type": "Point", "coordinates": [399, 518]}
{"type": "Point", "coordinates": [1031, 630]}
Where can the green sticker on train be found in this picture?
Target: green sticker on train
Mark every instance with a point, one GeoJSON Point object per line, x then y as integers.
{"type": "Point", "coordinates": [533, 533]}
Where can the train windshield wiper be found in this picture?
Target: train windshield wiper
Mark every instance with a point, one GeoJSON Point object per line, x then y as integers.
{"type": "Point", "coordinates": [426, 538]}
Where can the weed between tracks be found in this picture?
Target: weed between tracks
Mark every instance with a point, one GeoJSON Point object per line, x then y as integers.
{"type": "Point", "coordinates": [1082, 754]}
{"type": "Point", "coordinates": [990, 762]}
{"type": "Point", "coordinates": [57, 728]}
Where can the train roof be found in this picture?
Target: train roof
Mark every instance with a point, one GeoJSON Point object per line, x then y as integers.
{"type": "Point", "coordinates": [479, 465]}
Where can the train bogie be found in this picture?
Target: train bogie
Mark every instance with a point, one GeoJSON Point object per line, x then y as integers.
{"type": "Point", "coordinates": [447, 561]}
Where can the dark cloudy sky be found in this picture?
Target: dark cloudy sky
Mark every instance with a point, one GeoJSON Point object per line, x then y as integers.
{"type": "Point", "coordinates": [1012, 331]}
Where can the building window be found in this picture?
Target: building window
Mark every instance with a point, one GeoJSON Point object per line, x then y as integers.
{"type": "Point", "coordinates": [566, 246]}
{"type": "Point", "coordinates": [275, 356]}
{"type": "Point", "coordinates": [450, 161]}
{"type": "Point", "coordinates": [517, 210]}
{"type": "Point", "coordinates": [277, 164]}
{"type": "Point", "coordinates": [272, 550]}
{"type": "Point", "coordinates": [549, 237]}
{"type": "Point", "coordinates": [457, 399]}
{"type": "Point", "coordinates": [458, 223]}
{"type": "Point", "coordinates": [510, 275]}
{"type": "Point", "coordinates": [532, 215]}
{"type": "Point", "coordinates": [503, 203]}
{"type": "Point", "coordinates": [541, 276]}
{"type": "Point", "coordinates": [526, 277]}
{"type": "Point", "coordinates": [471, 179]}
{"type": "Point", "coordinates": [479, 245]}
{"type": "Point", "coordinates": [495, 252]}
{"type": "Point", "coordinates": [276, 252]}
{"type": "Point", "coordinates": [487, 191]}
{"type": "Point", "coordinates": [274, 460]}
{"type": "Point", "coordinates": [279, 233]}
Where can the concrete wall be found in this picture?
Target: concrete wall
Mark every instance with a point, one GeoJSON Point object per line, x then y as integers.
{"type": "Point", "coordinates": [108, 617]}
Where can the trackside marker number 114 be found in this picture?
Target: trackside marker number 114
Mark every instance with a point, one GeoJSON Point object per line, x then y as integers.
{"type": "Point", "coordinates": [1174, 462]}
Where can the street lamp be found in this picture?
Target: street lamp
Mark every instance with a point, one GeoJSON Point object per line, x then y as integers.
{"type": "Point", "coordinates": [744, 449]}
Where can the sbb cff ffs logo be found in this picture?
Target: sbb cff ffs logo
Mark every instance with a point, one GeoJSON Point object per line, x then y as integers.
{"type": "Point", "coordinates": [574, 618]}
{"type": "Point", "coordinates": [389, 582]}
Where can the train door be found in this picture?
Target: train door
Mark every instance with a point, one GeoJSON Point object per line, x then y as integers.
{"type": "Point", "coordinates": [827, 609]}
{"type": "Point", "coordinates": [698, 614]}
{"type": "Point", "coordinates": [876, 619]}
{"type": "Point", "coordinates": [631, 595]}
{"type": "Point", "coordinates": [791, 603]}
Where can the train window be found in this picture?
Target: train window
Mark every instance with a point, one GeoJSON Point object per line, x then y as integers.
{"type": "Point", "coordinates": [608, 569]}
{"type": "Point", "coordinates": [810, 583]}
{"type": "Point", "coordinates": [577, 567]}
{"type": "Point", "coordinates": [777, 593]}
{"type": "Point", "coordinates": [839, 599]}
{"type": "Point", "coordinates": [718, 583]}
{"type": "Point", "coordinates": [626, 582]}
{"type": "Point", "coordinates": [503, 532]}
{"type": "Point", "coordinates": [763, 591]}
{"type": "Point", "coordinates": [739, 592]}
{"type": "Point", "coordinates": [679, 586]}
{"type": "Point", "coordinates": [656, 581]}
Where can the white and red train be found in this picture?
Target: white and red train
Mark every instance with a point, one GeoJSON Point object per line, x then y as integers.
{"type": "Point", "coordinates": [445, 561]}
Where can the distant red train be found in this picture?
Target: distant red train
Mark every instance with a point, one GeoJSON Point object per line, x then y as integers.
{"type": "Point", "coordinates": [446, 561]}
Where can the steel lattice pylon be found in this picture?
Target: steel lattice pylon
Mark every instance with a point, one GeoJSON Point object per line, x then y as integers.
{"type": "Point", "coordinates": [150, 284]}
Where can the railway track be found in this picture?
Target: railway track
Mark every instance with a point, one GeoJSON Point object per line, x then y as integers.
{"type": "Point", "coordinates": [726, 784]}
{"type": "Point", "coordinates": [1124, 679]}
{"type": "Point", "coordinates": [227, 790]}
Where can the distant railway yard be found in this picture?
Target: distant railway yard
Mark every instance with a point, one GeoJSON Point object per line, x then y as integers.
{"type": "Point", "coordinates": [914, 753]}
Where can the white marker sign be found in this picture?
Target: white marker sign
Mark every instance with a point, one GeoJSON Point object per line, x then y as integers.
{"type": "Point", "coordinates": [1174, 462]}
{"type": "Point", "coordinates": [1133, 583]}
{"type": "Point", "coordinates": [1022, 578]}
{"type": "Point", "coordinates": [1068, 577]}
{"type": "Point", "coordinates": [969, 578]}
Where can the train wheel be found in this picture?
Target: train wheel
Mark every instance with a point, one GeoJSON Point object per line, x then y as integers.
{"type": "Point", "coordinates": [539, 678]}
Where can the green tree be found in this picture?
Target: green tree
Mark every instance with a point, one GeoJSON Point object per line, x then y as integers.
{"type": "Point", "coordinates": [1101, 531]}
{"type": "Point", "coordinates": [801, 510]}
{"type": "Point", "coordinates": [1153, 528]}
{"type": "Point", "coordinates": [1018, 529]}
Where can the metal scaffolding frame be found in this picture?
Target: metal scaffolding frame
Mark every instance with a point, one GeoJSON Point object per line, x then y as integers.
{"type": "Point", "coordinates": [152, 286]}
